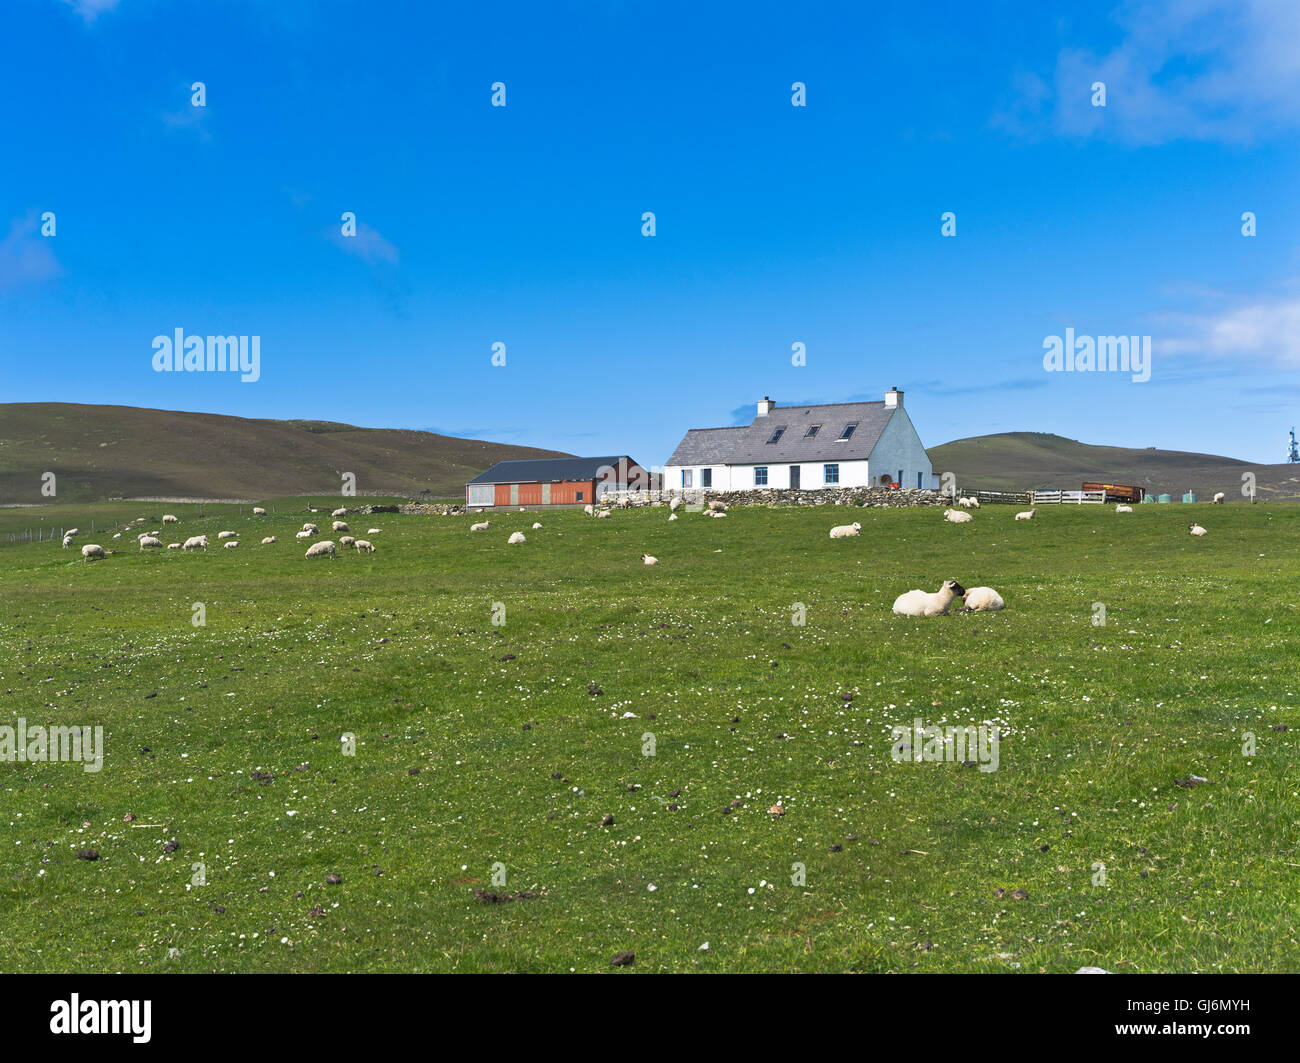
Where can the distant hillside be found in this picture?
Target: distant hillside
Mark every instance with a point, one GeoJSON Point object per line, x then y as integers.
{"type": "Point", "coordinates": [1021, 461]}
{"type": "Point", "coordinates": [121, 451]}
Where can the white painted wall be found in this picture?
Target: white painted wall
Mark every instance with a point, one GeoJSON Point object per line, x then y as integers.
{"type": "Point", "coordinates": [741, 477]}
{"type": "Point", "coordinates": [899, 447]}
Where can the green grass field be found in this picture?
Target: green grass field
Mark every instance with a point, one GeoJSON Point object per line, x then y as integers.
{"type": "Point", "coordinates": [462, 725]}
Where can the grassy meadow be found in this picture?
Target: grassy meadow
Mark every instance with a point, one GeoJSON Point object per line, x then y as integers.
{"type": "Point", "coordinates": [482, 745]}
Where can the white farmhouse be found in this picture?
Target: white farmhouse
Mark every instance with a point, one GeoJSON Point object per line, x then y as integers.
{"type": "Point", "coordinates": [842, 444]}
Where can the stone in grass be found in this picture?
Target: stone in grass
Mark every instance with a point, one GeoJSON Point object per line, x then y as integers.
{"type": "Point", "coordinates": [87, 854]}
{"type": "Point", "coordinates": [171, 846]}
{"type": "Point", "coordinates": [608, 821]}
{"type": "Point", "coordinates": [333, 878]}
{"type": "Point", "coordinates": [623, 959]}
{"type": "Point", "coordinates": [1092, 970]}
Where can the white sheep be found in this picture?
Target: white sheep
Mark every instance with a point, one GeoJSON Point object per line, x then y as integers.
{"type": "Point", "coordinates": [536, 525]}
{"type": "Point", "coordinates": [339, 513]}
{"type": "Point", "coordinates": [1220, 498]}
{"type": "Point", "coordinates": [231, 544]}
{"type": "Point", "coordinates": [258, 511]}
{"type": "Point", "coordinates": [982, 600]}
{"type": "Point", "coordinates": [90, 551]}
{"type": "Point", "coordinates": [515, 539]}
{"type": "Point", "coordinates": [1123, 509]}
{"type": "Point", "coordinates": [169, 519]}
{"type": "Point", "coordinates": [672, 516]}
{"type": "Point", "coordinates": [173, 546]}
{"type": "Point", "coordinates": [1196, 529]}
{"type": "Point", "coordinates": [957, 517]}
{"type": "Point", "coordinates": [482, 525]}
{"type": "Point", "coordinates": [71, 532]}
{"type": "Point", "coordinates": [225, 535]}
{"type": "Point", "coordinates": [374, 531]}
{"type": "Point", "coordinates": [922, 603]}
{"type": "Point", "coordinates": [715, 513]}
{"type": "Point", "coordinates": [67, 541]}
{"type": "Point", "coordinates": [602, 514]}
{"type": "Point", "coordinates": [719, 507]}
{"type": "Point", "coordinates": [196, 542]}
{"type": "Point", "coordinates": [340, 526]}
{"type": "Point", "coordinates": [311, 529]}
{"type": "Point", "coordinates": [1027, 514]}
{"type": "Point", "coordinates": [589, 509]}
{"type": "Point", "coordinates": [302, 535]}
{"type": "Point", "coordinates": [364, 547]}
{"type": "Point", "coordinates": [346, 540]}
{"type": "Point", "coordinates": [675, 504]}
{"type": "Point", "coordinates": [321, 549]}
{"type": "Point", "coordinates": [148, 542]}
{"type": "Point", "coordinates": [268, 540]}
{"type": "Point", "coordinates": [646, 559]}
{"type": "Point", "coordinates": [845, 531]}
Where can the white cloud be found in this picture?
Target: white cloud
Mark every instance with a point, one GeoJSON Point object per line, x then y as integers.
{"type": "Point", "coordinates": [89, 10]}
{"type": "Point", "coordinates": [368, 244]}
{"type": "Point", "coordinates": [26, 257]}
{"type": "Point", "coordinates": [1264, 330]}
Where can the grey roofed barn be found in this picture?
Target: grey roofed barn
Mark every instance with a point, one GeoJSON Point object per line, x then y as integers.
{"type": "Point", "coordinates": [553, 470]}
{"type": "Point", "coordinates": [748, 444]}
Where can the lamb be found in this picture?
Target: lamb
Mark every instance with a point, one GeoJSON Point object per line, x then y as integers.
{"type": "Point", "coordinates": [363, 546]}
{"type": "Point", "coordinates": [169, 519]}
{"type": "Point", "coordinates": [148, 542]}
{"type": "Point", "coordinates": [1219, 498]}
{"type": "Point", "coordinates": [321, 549]}
{"type": "Point", "coordinates": [339, 513]}
{"type": "Point", "coordinates": [481, 526]}
{"type": "Point", "coordinates": [91, 551]}
{"type": "Point", "coordinates": [920, 603]}
{"type": "Point", "coordinates": [347, 540]}
{"type": "Point", "coordinates": [258, 511]}
{"type": "Point", "coordinates": [1027, 514]}
{"type": "Point", "coordinates": [231, 545]}
{"type": "Point", "coordinates": [982, 600]}
{"type": "Point", "coordinates": [302, 535]}
{"type": "Point", "coordinates": [173, 546]}
{"type": "Point", "coordinates": [536, 525]}
{"type": "Point", "coordinates": [311, 529]}
{"type": "Point", "coordinates": [845, 531]}
{"type": "Point", "coordinates": [196, 542]}
{"type": "Point", "coordinates": [515, 539]}
{"type": "Point", "coordinates": [268, 540]}
{"type": "Point", "coordinates": [646, 559]}
{"type": "Point", "coordinates": [1123, 509]}
{"type": "Point", "coordinates": [957, 517]}
{"type": "Point", "coordinates": [1196, 529]}
{"type": "Point", "coordinates": [340, 526]}
{"type": "Point", "coordinates": [225, 535]}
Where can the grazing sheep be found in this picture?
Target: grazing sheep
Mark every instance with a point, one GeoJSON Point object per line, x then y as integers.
{"type": "Point", "coordinates": [148, 542]}
{"type": "Point", "coordinates": [321, 549]}
{"type": "Point", "coordinates": [173, 546]}
{"type": "Point", "coordinates": [268, 540]}
{"type": "Point", "coordinates": [966, 503]}
{"type": "Point", "coordinates": [515, 539]}
{"type": "Point", "coordinates": [258, 511]}
{"type": "Point", "coordinates": [169, 519]}
{"type": "Point", "coordinates": [302, 535]}
{"type": "Point", "coordinates": [363, 546]}
{"type": "Point", "coordinates": [91, 551]}
{"type": "Point", "coordinates": [604, 513]}
{"type": "Point", "coordinates": [982, 600]}
{"type": "Point", "coordinates": [1027, 514]}
{"type": "Point", "coordinates": [921, 603]}
{"type": "Point", "coordinates": [67, 541]}
{"type": "Point", "coordinates": [672, 516]}
{"type": "Point", "coordinates": [646, 559]}
{"type": "Point", "coordinates": [374, 531]}
{"type": "Point", "coordinates": [482, 525]}
{"type": "Point", "coordinates": [1196, 529]}
{"type": "Point", "coordinates": [1123, 509]}
{"type": "Point", "coordinates": [845, 531]}
{"type": "Point", "coordinates": [339, 513]}
{"type": "Point", "coordinates": [311, 529]}
{"type": "Point", "coordinates": [957, 517]}
{"type": "Point", "coordinates": [225, 535]}
{"type": "Point", "coordinates": [196, 542]}
{"type": "Point", "coordinates": [339, 525]}
{"type": "Point", "coordinates": [231, 545]}
{"type": "Point", "coordinates": [589, 509]}
{"type": "Point", "coordinates": [1220, 498]}
{"type": "Point", "coordinates": [536, 525]}
{"type": "Point", "coordinates": [347, 540]}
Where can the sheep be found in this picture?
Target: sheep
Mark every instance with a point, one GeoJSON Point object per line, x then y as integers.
{"type": "Point", "coordinates": [321, 549]}
{"type": "Point", "coordinates": [258, 511]}
{"type": "Point", "coordinates": [71, 532]}
{"type": "Point", "coordinates": [675, 504]}
{"type": "Point", "coordinates": [536, 525]}
{"type": "Point", "coordinates": [1196, 529]}
{"type": "Point", "coordinates": [646, 559]}
{"type": "Point", "coordinates": [957, 517]}
{"type": "Point", "coordinates": [363, 546]}
{"type": "Point", "coordinates": [311, 529]}
{"type": "Point", "coordinates": [920, 603]}
{"type": "Point", "coordinates": [715, 513]}
{"type": "Point", "coordinates": [196, 542]}
{"type": "Point", "coordinates": [302, 535]}
{"type": "Point", "coordinates": [90, 551]}
{"type": "Point", "coordinates": [974, 502]}
{"type": "Point", "coordinates": [515, 539]}
{"type": "Point", "coordinates": [148, 542]}
{"type": "Point", "coordinates": [374, 531]}
{"type": "Point", "coordinates": [169, 519]}
{"type": "Point", "coordinates": [845, 531]}
{"type": "Point", "coordinates": [482, 525]}
{"type": "Point", "coordinates": [672, 516]}
{"type": "Point", "coordinates": [718, 507]}
{"type": "Point", "coordinates": [1123, 509]}
{"type": "Point", "coordinates": [1027, 514]}
{"type": "Point", "coordinates": [231, 545]}
{"type": "Point", "coordinates": [982, 600]}
{"type": "Point", "coordinates": [604, 513]}
{"type": "Point", "coordinates": [67, 541]}
{"type": "Point", "coordinates": [340, 526]}
{"type": "Point", "coordinates": [589, 509]}
{"type": "Point", "coordinates": [173, 546]}
{"type": "Point", "coordinates": [117, 535]}
{"type": "Point", "coordinates": [1219, 498]}
{"type": "Point", "coordinates": [347, 540]}
{"type": "Point", "coordinates": [965, 503]}
{"type": "Point", "coordinates": [339, 513]}
{"type": "Point", "coordinates": [225, 535]}
{"type": "Point", "coordinates": [268, 540]}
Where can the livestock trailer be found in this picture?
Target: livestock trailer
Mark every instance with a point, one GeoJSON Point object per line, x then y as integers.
{"type": "Point", "coordinates": [1116, 492]}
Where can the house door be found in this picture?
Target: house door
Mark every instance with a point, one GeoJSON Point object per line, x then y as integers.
{"type": "Point", "coordinates": [794, 477]}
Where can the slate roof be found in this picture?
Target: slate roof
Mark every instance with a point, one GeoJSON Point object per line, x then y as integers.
{"type": "Point", "coordinates": [748, 444]}
{"type": "Point", "coordinates": [549, 470]}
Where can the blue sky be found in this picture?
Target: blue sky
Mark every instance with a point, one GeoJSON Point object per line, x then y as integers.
{"type": "Point", "coordinates": [774, 224]}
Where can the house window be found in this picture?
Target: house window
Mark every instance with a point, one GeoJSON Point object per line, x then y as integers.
{"type": "Point", "coordinates": [706, 477]}
{"type": "Point", "coordinates": [920, 476]}
{"type": "Point", "coordinates": [849, 429]}
{"type": "Point", "coordinates": [579, 496]}
{"type": "Point", "coordinates": [776, 436]}
{"type": "Point", "coordinates": [813, 429]}
{"type": "Point", "coordinates": [760, 476]}
{"type": "Point", "coordinates": [831, 474]}
{"type": "Point", "coordinates": [688, 478]}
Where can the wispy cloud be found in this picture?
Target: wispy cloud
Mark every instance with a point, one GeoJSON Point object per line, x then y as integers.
{"type": "Point", "coordinates": [1223, 70]}
{"type": "Point", "coordinates": [27, 257]}
{"type": "Point", "coordinates": [89, 10]}
{"type": "Point", "coordinates": [368, 244]}
{"type": "Point", "coordinates": [1263, 330]}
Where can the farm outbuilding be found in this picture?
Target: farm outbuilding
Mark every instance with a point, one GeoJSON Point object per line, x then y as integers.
{"type": "Point", "coordinates": [554, 481]}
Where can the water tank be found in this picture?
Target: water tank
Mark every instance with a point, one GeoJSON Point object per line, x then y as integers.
{"type": "Point", "coordinates": [1165, 498]}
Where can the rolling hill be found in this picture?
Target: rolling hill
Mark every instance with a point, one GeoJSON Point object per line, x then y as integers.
{"type": "Point", "coordinates": [123, 451]}
{"type": "Point", "coordinates": [1021, 461]}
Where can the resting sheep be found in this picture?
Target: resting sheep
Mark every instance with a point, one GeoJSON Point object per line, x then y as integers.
{"type": "Point", "coordinates": [1196, 529]}
{"type": "Point", "coordinates": [364, 547]}
{"type": "Point", "coordinates": [258, 511]}
{"type": "Point", "coordinates": [71, 532]}
{"type": "Point", "coordinates": [374, 531]}
{"type": "Point", "coordinates": [268, 540]}
{"type": "Point", "coordinates": [231, 544]}
{"type": "Point", "coordinates": [672, 516]}
{"type": "Point", "coordinates": [1026, 515]}
{"type": "Point", "coordinates": [481, 526]}
{"type": "Point", "coordinates": [589, 509]}
{"type": "Point", "coordinates": [311, 529]}
{"type": "Point", "coordinates": [1123, 509]}
{"type": "Point", "coordinates": [173, 546]}
{"type": "Point", "coordinates": [321, 549]}
{"type": "Point", "coordinates": [845, 531]}
{"type": "Point", "coordinates": [921, 603]}
{"type": "Point", "coordinates": [515, 539]}
{"type": "Point", "coordinates": [302, 535]}
{"type": "Point", "coordinates": [646, 559]}
{"type": "Point", "coordinates": [719, 507]}
{"type": "Point", "coordinates": [957, 517]}
{"type": "Point", "coordinates": [90, 551]}
{"type": "Point", "coordinates": [196, 542]}
{"type": "Point", "coordinates": [714, 513]}
{"type": "Point", "coordinates": [982, 600]}
{"type": "Point", "coordinates": [225, 535]}
{"type": "Point", "coordinates": [536, 525]}
{"type": "Point", "coordinates": [602, 514]}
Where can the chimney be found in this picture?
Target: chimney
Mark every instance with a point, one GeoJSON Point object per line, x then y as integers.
{"type": "Point", "coordinates": [893, 398]}
{"type": "Point", "coordinates": [765, 407]}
